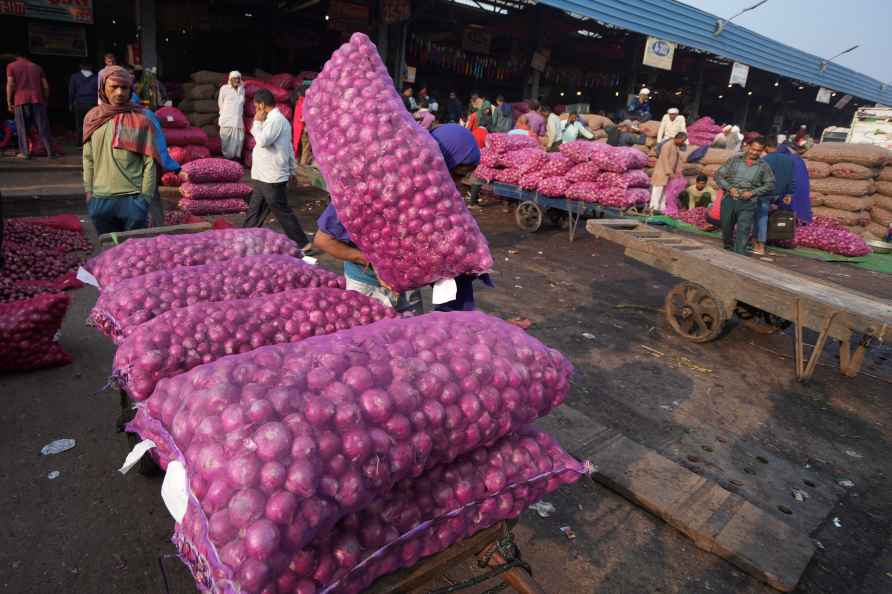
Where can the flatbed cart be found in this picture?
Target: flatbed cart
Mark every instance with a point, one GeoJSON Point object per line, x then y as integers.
{"type": "Point", "coordinates": [534, 207]}
{"type": "Point", "coordinates": [717, 284]}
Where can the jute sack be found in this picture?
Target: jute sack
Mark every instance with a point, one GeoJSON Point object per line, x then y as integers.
{"type": "Point", "coordinates": [885, 174]}
{"type": "Point", "coordinates": [650, 128]}
{"type": "Point", "coordinates": [187, 88]}
{"type": "Point", "coordinates": [852, 171]}
{"type": "Point", "coordinates": [882, 201]}
{"type": "Point", "coordinates": [596, 122]}
{"type": "Point", "coordinates": [202, 92]}
{"type": "Point", "coordinates": [843, 217]}
{"type": "Point", "coordinates": [836, 185]}
{"type": "Point", "coordinates": [816, 169]}
{"type": "Point", "coordinates": [206, 106]}
{"type": "Point", "coordinates": [881, 216]}
{"type": "Point", "coordinates": [877, 230]}
{"type": "Point", "coordinates": [817, 199]}
{"type": "Point", "coordinates": [716, 156]}
{"type": "Point", "coordinates": [857, 230]}
{"type": "Point", "coordinates": [186, 106]}
{"type": "Point", "coordinates": [694, 169]}
{"type": "Point", "coordinates": [884, 187]}
{"type": "Point", "coordinates": [868, 155]}
{"type": "Point", "coordinates": [710, 169]}
{"type": "Point", "coordinates": [208, 77]}
{"type": "Point", "coordinates": [852, 203]}
{"type": "Point", "coordinates": [200, 120]}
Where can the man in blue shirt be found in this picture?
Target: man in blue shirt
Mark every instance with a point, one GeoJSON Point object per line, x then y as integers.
{"type": "Point", "coordinates": [82, 95]}
{"type": "Point", "coordinates": [638, 107]}
{"type": "Point", "coordinates": [783, 168]}
{"type": "Point", "coordinates": [460, 151]}
{"type": "Point", "coordinates": [156, 209]}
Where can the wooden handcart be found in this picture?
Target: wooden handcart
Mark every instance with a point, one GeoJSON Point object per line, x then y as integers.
{"type": "Point", "coordinates": [717, 284]}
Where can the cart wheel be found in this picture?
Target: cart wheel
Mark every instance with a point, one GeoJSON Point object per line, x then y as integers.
{"type": "Point", "coordinates": [694, 312]}
{"type": "Point", "coordinates": [528, 216]}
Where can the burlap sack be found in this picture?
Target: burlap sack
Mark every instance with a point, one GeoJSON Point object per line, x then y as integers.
{"type": "Point", "coordinates": [693, 169]}
{"type": "Point", "coordinates": [599, 134]}
{"type": "Point", "coordinates": [202, 92]}
{"type": "Point", "coordinates": [882, 201]}
{"type": "Point", "coordinates": [206, 106]}
{"type": "Point", "coordinates": [884, 187]}
{"type": "Point", "coordinates": [844, 217]}
{"type": "Point", "coordinates": [848, 187]}
{"type": "Point", "coordinates": [212, 130]}
{"type": "Point", "coordinates": [816, 169]}
{"type": "Point", "coordinates": [597, 122]}
{"type": "Point", "coordinates": [852, 171]}
{"type": "Point", "coordinates": [885, 174]}
{"type": "Point", "coordinates": [716, 156]}
{"type": "Point", "coordinates": [852, 203]}
{"type": "Point", "coordinates": [881, 216]}
{"type": "Point", "coordinates": [200, 120]}
{"type": "Point", "coordinates": [710, 170]}
{"type": "Point", "coordinates": [650, 128]}
{"type": "Point", "coordinates": [187, 88]}
{"type": "Point", "coordinates": [868, 155]}
{"type": "Point", "coordinates": [817, 199]}
{"type": "Point", "coordinates": [857, 230]}
{"type": "Point", "coordinates": [877, 230]}
{"type": "Point", "coordinates": [186, 106]}
{"type": "Point", "coordinates": [208, 77]}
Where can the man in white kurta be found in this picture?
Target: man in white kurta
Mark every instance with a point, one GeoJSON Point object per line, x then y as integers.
{"type": "Point", "coordinates": [231, 102]}
{"type": "Point", "coordinates": [671, 124]}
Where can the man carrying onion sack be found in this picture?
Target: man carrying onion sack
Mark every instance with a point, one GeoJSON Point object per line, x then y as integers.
{"type": "Point", "coordinates": [120, 157]}
{"type": "Point", "coordinates": [271, 167]}
{"type": "Point", "coordinates": [669, 164]}
{"type": "Point", "coordinates": [231, 101]}
{"type": "Point", "coordinates": [745, 178]}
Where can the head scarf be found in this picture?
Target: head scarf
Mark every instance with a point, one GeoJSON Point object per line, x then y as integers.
{"type": "Point", "coordinates": [133, 130]}
{"type": "Point", "coordinates": [234, 74]}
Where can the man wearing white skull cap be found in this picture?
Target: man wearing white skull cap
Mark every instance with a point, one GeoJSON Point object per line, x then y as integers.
{"type": "Point", "coordinates": [231, 102]}
{"type": "Point", "coordinates": [671, 124]}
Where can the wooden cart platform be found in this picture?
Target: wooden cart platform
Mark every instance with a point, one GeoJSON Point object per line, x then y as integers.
{"type": "Point", "coordinates": [719, 283]}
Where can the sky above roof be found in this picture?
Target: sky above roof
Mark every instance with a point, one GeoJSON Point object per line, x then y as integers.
{"type": "Point", "coordinates": [821, 27]}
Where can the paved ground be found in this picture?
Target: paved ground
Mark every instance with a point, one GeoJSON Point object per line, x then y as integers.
{"type": "Point", "coordinates": [93, 531]}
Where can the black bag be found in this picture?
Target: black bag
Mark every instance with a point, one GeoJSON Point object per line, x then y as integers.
{"type": "Point", "coordinates": [781, 225]}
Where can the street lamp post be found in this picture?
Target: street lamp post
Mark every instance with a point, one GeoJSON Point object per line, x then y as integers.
{"type": "Point", "coordinates": [826, 62]}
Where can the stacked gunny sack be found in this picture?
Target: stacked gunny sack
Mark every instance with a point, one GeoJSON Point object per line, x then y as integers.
{"type": "Point", "coordinates": [847, 186]}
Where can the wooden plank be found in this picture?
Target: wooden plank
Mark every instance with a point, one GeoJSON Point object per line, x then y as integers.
{"type": "Point", "coordinates": [109, 238]}
{"type": "Point", "coordinates": [715, 519]}
{"type": "Point", "coordinates": [428, 569]}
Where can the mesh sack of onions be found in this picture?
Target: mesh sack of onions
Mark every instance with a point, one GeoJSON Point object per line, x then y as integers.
{"type": "Point", "coordinates": [508, 176]}
{"type": "Point", "coordinates": [179, 154]}
{"type": "Point", "coordinates": [583, 172]}
{"type": "Point", "coordinates": [421, 518]}
{"type": "Point", "coordinates": [586, 191]}
{"type": "Point", "coordinates": [556, 165]}
{"type": "Point", "coordinates": [212, 170]}
{"type": "Point", "coordinates": [215, 146]}
{"type": "Point", "coordinates": [489, 158]}
{"type": "Point", "coordinates": [286, 110]}
{"type": "Point", "coordinates": [28, 331]}
{"type": "Point", "coordinates": [579, 151]}
{"type": "Point", "coordinates": [531, 180]}
{"type": "Point", "coordinates": [212, 207]}
{"type": "Point", "coordinates": [485, 173]}
{"type": "Point", "coordinates": [283, 80]}
{"type": "Point", "coordinates": [502, 143]}
{"type": "Point", "coordinates": [135, 257]}
{"type": "Point", "coordinates": [215, 191]}
{"type": "Point", "coordinates": [632, 157]}
{"type": "Point", "coordinates": [636, 178]}
{"type": "Point", "coordinates": [171, 117]}
{"type": "Point", "coordinates": [42, 236]}
{"type": "Point", "coordinates": [388, 179]}
{"type": "Point", "coordinates": [553, 186]}
{"type": "Point", "coordinates": [252, 85]}
{"type": "Point", "coordinates": [180, 339]}
{"type": "Point", "coordinates": [194, 152]}
{"type": "Point", "coordinates": [525, 160]}
{"type": "Point", "coordinates": [171, 180]}
{"type": "Point", "coordinates": [185, 136]}
{"type": "Point", "coordinates": [828, 235]}
{"type": "Point", "coordinates": [128, 303]}
{"type": "Point", "coordinates": [339, 420]}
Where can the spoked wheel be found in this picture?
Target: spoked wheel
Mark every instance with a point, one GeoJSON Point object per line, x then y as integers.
{"type": "Point", "coordinates": [694, 312]}
{"type": "Point", "coordinates": [528, 216]}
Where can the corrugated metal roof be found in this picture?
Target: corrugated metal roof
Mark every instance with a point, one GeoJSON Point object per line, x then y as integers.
{"type": "Point", "coordinates": [674, 21]}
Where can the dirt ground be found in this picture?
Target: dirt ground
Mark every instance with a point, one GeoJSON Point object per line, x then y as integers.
{"type": "Point", "coordinates": [92, 530]}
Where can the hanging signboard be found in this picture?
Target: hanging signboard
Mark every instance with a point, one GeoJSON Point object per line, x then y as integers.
{"type": "Point", "coordinates": [824, 95]}
{"type": "Point", "coordinates": [50, 39]}
{"type": "Point", "coordinates": [843, 102]}
{"type": "Point", "coordinates": [739, 74]}
{"type": "Point", "coordinates": [659, 53]}
{"type": "Point", "coordinates": [70, 11]}
{"type": "Point", "coordinates": [476, 40]}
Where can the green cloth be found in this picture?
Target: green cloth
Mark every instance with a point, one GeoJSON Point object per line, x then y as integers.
{"type": "Point", "coordinates": [872, 261]}
{"type": "Point", "coordinates": [112, 173]}
{"type": "Point", "coordinates": [736, 173]}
